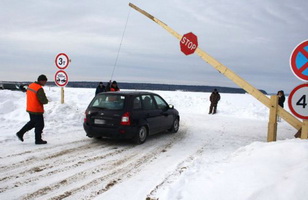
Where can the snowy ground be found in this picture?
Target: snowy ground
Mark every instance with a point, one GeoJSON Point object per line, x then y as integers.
{"type": "Point", "coordinates": [215, 157]}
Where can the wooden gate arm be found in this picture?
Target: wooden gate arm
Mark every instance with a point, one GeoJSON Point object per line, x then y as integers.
{"type": "Point", "coordinates": [293, 121]}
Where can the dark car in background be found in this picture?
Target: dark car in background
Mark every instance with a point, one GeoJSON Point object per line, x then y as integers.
{"type": "Point", "coordinates": [14, 86]}
{"type": "Point", "coordinates": [129, 115]}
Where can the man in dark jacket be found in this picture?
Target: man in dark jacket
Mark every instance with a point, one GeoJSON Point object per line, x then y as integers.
{"type": "Point", "coordinates": [214, 98]}
{"type": "Point", "coordinates": [281, 100]}
{"type": "Point", "coordinates": [35, 99]}
{"type": "Point", "coordinates": [100, 88]}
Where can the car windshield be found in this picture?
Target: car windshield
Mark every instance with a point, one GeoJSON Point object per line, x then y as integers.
{"type": "Point", "coordinates": [108, 101]}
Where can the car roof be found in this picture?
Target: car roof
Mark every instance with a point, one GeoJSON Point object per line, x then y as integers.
{"type": "Point", "coordinates": [127, 92]}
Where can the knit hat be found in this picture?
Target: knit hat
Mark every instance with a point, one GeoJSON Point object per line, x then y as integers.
{"type": "Point", "coordinates": [42, 78]}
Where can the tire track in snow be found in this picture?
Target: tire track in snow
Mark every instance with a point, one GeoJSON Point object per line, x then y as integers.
{"type": "Point", "coordinates": [43, 149]}
{"type": "Point", "coordinates": [89, 174]}
{"type": "Point", "coordinates": [211, 145]}
{"type": "Point", "coordinates": [56, 165]}
{"type": "Point", "coordinates": [37, 156]}
{"type": "Point", "coordinates": [109, 174]}
{"type": "Point", "coordinates": [173, 176]}
{"type": "Point", "coordinates": [24, 158]}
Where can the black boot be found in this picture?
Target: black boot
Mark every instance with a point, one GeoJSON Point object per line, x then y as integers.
{"type": "Point", "coordinates": [24, 129]}
{"type": "Point", "coordinates": [20, 136]}
{"type": "Point", "coordinates": [40, 142]}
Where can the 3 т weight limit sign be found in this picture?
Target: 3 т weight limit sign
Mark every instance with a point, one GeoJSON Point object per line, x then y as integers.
{"type": "Point", "coordinates": [62, 61]}
{"type": "Point", "coordinates": [298, 101]}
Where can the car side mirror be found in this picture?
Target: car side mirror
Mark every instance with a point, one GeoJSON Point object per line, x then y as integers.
{"type": "Point", "coordinates": [171, 106]}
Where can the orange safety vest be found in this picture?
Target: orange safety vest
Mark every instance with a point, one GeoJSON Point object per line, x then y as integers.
{"type": "Point", "coordinates": [114, 90]}
{"type": "Point", "coordinates": [33, 103]}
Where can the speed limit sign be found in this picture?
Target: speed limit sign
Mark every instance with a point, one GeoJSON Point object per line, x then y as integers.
{"type": "Point", "coordinates": [62, 61]}
{"type": "Point", "coordinates": [298, 101]}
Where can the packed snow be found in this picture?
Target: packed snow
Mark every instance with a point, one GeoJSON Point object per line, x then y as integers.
{"type": "Point", "coordinates": [213, 157]}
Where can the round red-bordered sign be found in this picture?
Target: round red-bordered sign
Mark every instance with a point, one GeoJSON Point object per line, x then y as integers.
{"type": "Point", "coordinates": [61, 78]}
{"type": "Point", "coordinates": [298, 101]}
{"type": "Point", "coordinates": [62, 61]}
{"type": "Point", "coordinates": [299, 61]}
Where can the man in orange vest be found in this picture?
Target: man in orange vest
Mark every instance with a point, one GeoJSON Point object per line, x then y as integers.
{"type": "Point", "coordinates": [35, 99]}
{"type": "Point", "coordinates": [114, 87]}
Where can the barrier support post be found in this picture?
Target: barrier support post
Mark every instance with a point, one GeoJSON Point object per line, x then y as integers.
{"type": "Point", "coordinates": [304, 134]}
{"type": "Point", "coordinates": [272, 124]}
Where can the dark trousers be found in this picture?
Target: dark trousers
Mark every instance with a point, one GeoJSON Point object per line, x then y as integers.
{"type": "Point", "coordinates": [37, 122]}
{"type": "Point", "coordinates": [213, 108]}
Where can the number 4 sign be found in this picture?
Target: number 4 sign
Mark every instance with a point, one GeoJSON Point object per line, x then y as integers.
{"type": "Point", "coordinates": [298, 101]}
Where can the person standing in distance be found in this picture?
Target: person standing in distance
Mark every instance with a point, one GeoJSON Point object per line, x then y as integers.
{"type": "Point", "coordinates": [281, 100]}
{"type": "Point", "coordinates": [100, 88]}
{"type": "Point", "coordinates": [36, 99]}
{"type": "Point", "coordinates": [114, 87]}
{"type": "Point", "coordinates": [214, 98]}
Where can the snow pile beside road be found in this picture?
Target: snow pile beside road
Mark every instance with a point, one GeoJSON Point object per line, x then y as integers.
{"type": "Point", "coordinates": [257, 171]}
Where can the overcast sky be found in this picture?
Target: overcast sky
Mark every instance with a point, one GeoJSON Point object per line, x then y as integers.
{"type": "Point", "coordinates": [253, 38]}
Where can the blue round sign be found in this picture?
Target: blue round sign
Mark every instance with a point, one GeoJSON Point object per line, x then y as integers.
{"type": "Point", "coordinates": [299, 61]}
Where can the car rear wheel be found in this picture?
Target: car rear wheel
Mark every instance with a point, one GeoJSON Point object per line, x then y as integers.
{"type": "Point", "coordinates": [175, 126]}
{"type": "Point", "coordinates": [141, 135]}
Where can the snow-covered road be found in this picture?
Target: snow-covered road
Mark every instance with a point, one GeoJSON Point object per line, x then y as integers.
{"type": "Point", "coordinates": [72, 166]}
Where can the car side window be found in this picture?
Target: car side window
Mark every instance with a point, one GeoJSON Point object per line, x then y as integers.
{"type": "Point", "coordinates": [162, 105]}
{"type": "Point", "coordinates": [147, 102]}
{"type": "Point", "coordinates": [137, 103]}
{"type": "Point", "coordinates": [98, 101]}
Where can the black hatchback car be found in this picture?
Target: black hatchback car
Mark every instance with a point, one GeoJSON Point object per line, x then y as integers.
{"type": "Point", "coordinates": [129, 115]}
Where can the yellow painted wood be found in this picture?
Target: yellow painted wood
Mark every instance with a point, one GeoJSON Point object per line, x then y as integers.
{"type": "Point", "coordinates": [272, 123]}
{"type": "Point", "coordinates": [304, 134]}
{"type": "Point", "coordinates": [293, 121]}
{"type": "Point", "coordinates": [62, 95]}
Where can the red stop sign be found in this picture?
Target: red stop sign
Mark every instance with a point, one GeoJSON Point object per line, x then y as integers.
{"type": "Point", "coordinates": [189, 43]}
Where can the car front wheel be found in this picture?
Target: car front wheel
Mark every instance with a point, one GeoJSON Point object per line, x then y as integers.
{"type": "Point", "coordinates": [175, 126]}
{"type": "Point", "coordinates": [141, 135]}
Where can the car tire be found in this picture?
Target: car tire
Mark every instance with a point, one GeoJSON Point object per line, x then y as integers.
{"type": "Point", "coordinates": [141, 135]}
{"type": "Point", "coordinates": [175, 126]}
